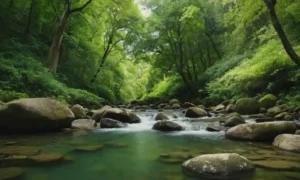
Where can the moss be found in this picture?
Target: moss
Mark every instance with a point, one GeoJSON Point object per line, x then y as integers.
{"type": "Point", "coordinates": [268, 101]}
{"type": "Point", "coordinates": [247, 106]}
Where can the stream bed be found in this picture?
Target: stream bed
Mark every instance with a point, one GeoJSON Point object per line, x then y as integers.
{"type": "Point", "coordinates": [139, 153]}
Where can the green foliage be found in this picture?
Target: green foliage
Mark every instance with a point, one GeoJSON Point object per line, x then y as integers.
{"type": "Point", "coordinates": [24, 76]}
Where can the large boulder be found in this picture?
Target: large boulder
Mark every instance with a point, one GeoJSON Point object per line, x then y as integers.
{"type": "Point", "coordinates": [266, 131]}
{"type": "Point", "coordinates": [288, 142]}
{"type": "Point", "coordinates": [174, 101]}
{"type": "Point", "coordinates": [84, 124]}
{"type": "Point", "coordinates": [268, 101]}
{"type": "Point", "coordinates": [195, 112]}
{"type": "Point", "coordinates": [167, 126]}
{"type": "Point", "coordinates": [161, 116]}
{"type": "Point", "coordinates": [34, 115]}
{"type": "Point", "coordinates": [121, 115]}
{"type": "Point", "coordinates": [247, 106]}
{"type": "Point", "coordinates": [218, 166]}
{"type": "Point", "coordinates": [78, 111]}
{"type": "Point", "coordinates": [110, 123]}
{"type": "Point", "coordinates": [97, 114]}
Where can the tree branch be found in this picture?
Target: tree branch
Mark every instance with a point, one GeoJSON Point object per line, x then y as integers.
{"type": "Point", "coordinates": [80, 8]}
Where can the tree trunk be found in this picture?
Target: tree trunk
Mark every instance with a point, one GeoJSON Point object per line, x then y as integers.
{"type": "Point", "coordinates": [277, 26]}
{"type": "Point", "coordinates": [54, 50]}
{"type": "Point", "coordinates": [53, 56]}
{"type": "Point", "coordinates": [27, 30]}
{"type": "Point", "coordinates": [214, 45]}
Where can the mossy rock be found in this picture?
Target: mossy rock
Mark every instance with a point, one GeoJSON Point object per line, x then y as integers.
{"type": "Point", "coordinates": [247, 106]}
{"type": "Point", "coordinates": [11, 173]}
{"type": "Point", "coordinates": [89, 148]}
{"type": "Point", "coordinates": [176, 157]}
{"type": "Point", "coordinates": [174, 101]}
{"type": "Point", "coordinates": [19, 150]}
{"type": "Point", "coordinates": [268, 101]}
{"type": "Point", "coordinates": [16, 160]}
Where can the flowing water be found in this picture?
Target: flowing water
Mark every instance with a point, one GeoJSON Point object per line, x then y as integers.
{"type": "Point", "coordinates": [136, 152]}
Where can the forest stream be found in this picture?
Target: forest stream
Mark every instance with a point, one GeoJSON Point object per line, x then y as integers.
{"type": "Point", "coordinates": [137, 152]}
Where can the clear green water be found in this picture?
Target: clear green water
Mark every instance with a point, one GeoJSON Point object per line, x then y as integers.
{"type": "Point", "coordinates": [139, 159]}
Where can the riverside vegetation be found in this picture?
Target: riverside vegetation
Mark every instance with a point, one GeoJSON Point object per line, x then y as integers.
{"type": "Point", "coordinates": [149, 89]}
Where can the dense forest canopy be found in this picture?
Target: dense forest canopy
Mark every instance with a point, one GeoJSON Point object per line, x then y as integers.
{"type": "Point", "coordinates": [94, 52]}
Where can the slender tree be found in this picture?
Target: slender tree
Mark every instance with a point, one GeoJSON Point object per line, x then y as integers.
{"type": "Point", "coordinates": [53, 56]}
{"type": "Point", "coordinates": [278, 27]}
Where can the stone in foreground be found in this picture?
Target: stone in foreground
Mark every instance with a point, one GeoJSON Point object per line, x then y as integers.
{"type": "Point", "coordinates": [34, 115]}
{"type": "Point", "coordinates": [288, 142]}
{"type": "Point", "coordinates": [261, 131]}
{"type": "Point", "coordinates": [218, 166]}
{"type": "Point", "coordinates": [167, 126]}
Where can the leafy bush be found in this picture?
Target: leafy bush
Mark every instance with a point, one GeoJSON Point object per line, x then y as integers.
{"type": "Point", "coordinates": [23, 76]}
{"type": "Point", "coordinates": [251, 76]}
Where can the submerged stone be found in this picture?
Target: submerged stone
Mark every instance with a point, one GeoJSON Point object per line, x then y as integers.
{"type": "Point", "coordinates": [46, 158]}
{"type": "Point", "coordinates": [11, 173]}
{"type": "Point", "coordinates": [89, 148]}
{"type": "Point", "coordinates": [278, 164]}
{"type": "Point", "coordinates": [19, 150]}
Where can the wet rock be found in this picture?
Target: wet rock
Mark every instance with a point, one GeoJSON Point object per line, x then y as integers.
{"type": "Point", "coordinates": [161, 106]}
{"type": "Point", "coordinates": [195, 112]}
{"type": "Point", "coordinates": [218, 166]}
{"type": "Point", "coordinates": [280, 102]}
{"type": "Point", "coordinates": [89, 148]}
{"type": "Point", "coordinates": [174, 116]}
{"type": "Point", "coordinates": [288, 117]}
{"type": "Point", "coordinates": [19, 150]}
{"type": "Point", "coordinates": [234, 121]}
{"type": "Point", "coordinates": [97, 114]}
{"type": "Point", "coordinates": [297, 132]}
{"type": "Point", "coordinates": [78, 111]}
{"type": "Point", "coordinates": [268, 101]}
{"type": "Point", "coordinates": [288, 142]}
{"type": "Point", "coordinates": [281, 116]}
{"type": "Point", "coordinates": [219, 108]}
{"type": "Point", "coordinates": [110, 123]}
{"type": "Point", "coordinates": [121, 115]}
{"type": "Point", "coordinates": [230, 108]}
{"type": "Point", "coordinates": [11, 173]}
{"type": "Point", "coordinates": [161, 116]}
{"type": "Point", "coordinates": [262, 110]}
{"type": "Point", "coordinates": [266, 131]}
{"type": "Point", "coordinates": [234, 114]}
{"type": "Point", "coordinates": [214, 128]}
{"type": "Point", "coordinates": [176, 106]}
{"type": "Point", "coordinates": [278, 109]}
{"type": "Point", "coordinates": [167, 107]}
{"type": "Point", "coordinates": [84, 124]}
{"type": "Point", "coordinates": [34, 115]}
{"type": "Point", "coordinates": [167, 126]}
{"type": "Point", "coordinates": [247, 106]}
{"type": "Point", "coordinates": [188, 105]}
{"type": "Point", "coordinates": [278, 165]}
{"type": "Point", "coordinates": [174, 101]}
